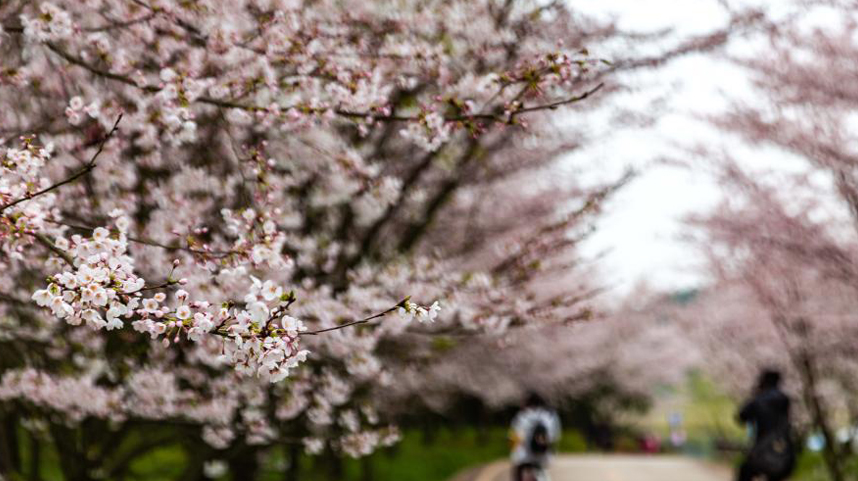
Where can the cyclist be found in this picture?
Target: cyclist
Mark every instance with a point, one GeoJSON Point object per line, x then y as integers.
{"type": "Point", "coordinates": [535, 430]}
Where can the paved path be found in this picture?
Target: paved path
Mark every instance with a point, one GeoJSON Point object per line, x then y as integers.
{"type": "Point", "coordinates": [619, 468]}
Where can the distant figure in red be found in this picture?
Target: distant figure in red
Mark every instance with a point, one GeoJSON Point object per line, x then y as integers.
{"type": "Point", "coordinates": [772, 455]}
{"type": "Point", "coordinates": [650, 444]}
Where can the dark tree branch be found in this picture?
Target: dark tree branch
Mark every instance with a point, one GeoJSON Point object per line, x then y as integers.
{"type": "Point", "coordinates": [414, 231]}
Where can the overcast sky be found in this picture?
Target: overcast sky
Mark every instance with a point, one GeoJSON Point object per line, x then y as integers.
{"type": "Point", "coordinates": [641, 229]}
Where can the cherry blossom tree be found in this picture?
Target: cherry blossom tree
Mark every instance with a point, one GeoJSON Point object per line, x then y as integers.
{"type": "Point", "coordinates": [209, 210]}
{"type": "Point", "coordinates": [784, 298]}
{"type": "Point", "coordinates": [783, 244]}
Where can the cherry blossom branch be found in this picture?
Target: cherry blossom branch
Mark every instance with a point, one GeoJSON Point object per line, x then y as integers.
{"type": "Point", "coordinates": [87, 169]}
{"type": "Point", "coordinates": [97, 71]}
{"type": "Point", "coordinates": [491, 117]}
{"type": "Point", "coordinates": [401, 304]}
{"type": "Point", "coordinates": [169, 282]}
{"type": "Point", "coordinates": [499, 118]}
{"type": "Point", "coordinates": [560, 103]}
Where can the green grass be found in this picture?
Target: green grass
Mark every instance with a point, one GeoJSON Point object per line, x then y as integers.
{"type": "Point", "coordinates": [811, 468]}
{"type": "Point", "coordinates": [416, 458]}
{"type": "Point", "coordinates": [162, 463]}
{"type": "Point", "coordinates": [159, 464]}
{"type": "Point", "coordinates": [448, 453]}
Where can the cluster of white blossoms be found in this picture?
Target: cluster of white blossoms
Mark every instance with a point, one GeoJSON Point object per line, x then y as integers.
{"type": "Point", "coordinates": [430, 132]}
{"type": "Point", "coordinates": [364, 443]}
{"type": "Point", "coordinates": [51, 24]}
{"type": "Point", "coordinates": [258, 236]}
{"type": "Point", "coordinates": [20, 178]}
{"type": "Point", "coordinates": [102, 289]}
{"type": "Point", "coordinates": [372, 204]}
{"type": "Point", "coordinates": [409, 310]}
{"type": "Point", "coordinates": [262, 340]}
{"type": "Point", "coordinates": [76, 111]}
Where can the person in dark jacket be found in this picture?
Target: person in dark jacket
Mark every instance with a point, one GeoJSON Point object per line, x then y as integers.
{"type": "Point", "coordinates": [772, 455]}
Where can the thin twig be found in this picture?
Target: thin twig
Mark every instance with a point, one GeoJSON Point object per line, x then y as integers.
{"type": "Point", "coordinates": [355, 323]}
{"type": "Point", "coordinates": [554, 105]}
{"type": "Point", "coordinates": [69, 180]}
{"type": "Point", "coordinates": [101, 73]}
{"type": "Point", "coordinates": [167, 283]}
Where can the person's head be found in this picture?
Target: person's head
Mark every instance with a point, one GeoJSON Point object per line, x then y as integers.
{"type": "Point", "coordinates": [769, 379]}
{"type": "Point", "coordinates": [534, 400]}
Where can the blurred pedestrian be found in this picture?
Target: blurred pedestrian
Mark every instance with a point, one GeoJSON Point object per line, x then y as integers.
{"type": "Point", "coordinates": [535, 431]}
{"type": "Point", "coordinates": [772, 455]}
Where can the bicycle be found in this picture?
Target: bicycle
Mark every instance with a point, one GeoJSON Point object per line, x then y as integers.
{"type": "Point", "coordinates": [531, 472]}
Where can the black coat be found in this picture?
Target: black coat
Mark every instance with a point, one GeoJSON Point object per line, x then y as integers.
{"type": "Point", "coordinates": [768, 411]}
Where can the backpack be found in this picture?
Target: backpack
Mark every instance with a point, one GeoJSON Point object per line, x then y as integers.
{"type": "Point", "coordinates": [539, 440]}
{"type": "Point", "coordinates": [774, 455]}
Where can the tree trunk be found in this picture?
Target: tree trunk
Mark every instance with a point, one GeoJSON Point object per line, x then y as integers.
{"type": "Point", "coordinates": [335, 466]}
{"type": "Point", "coordinates": [195, 466]}
{"type": "Point", "coordinates": [73, 460]}
{"type": "Point", "coordinates": [832, 455]}
{"type": "Point", "coordinates": [367, 472]}
{"type": "Point", "coordinates": [293, 457]}
{"type": "Point", "coordinates": [244, 466]}
{"type": "Point", "coordinates": [10, 455]}
{"type": "Point", "coordinates": [35, 458]}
